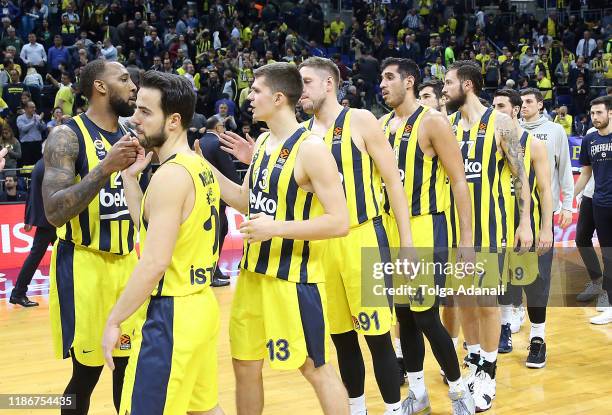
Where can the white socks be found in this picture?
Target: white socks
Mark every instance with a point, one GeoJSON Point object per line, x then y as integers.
{"type": "Point", "coordinates": [393, 408]}
{"type": "Point", "coordinates": [537, 330]}
{"type": "Point", "coordinates": [489, 356]}
{"type": "Point", "coordinates": [506, 314]}
{"type": "Point", "coordinates": [473, 348]}
{"type": "Point", "coordinates": [416, 382]}
{"type": "Point", "coordinates": [456, 386]}
{"type": "Point", "coordinates": [398, 348]}
{"type": "Point", "coordinates": [357, 405]}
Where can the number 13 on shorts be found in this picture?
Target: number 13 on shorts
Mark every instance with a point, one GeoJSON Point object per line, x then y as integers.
{"type": "Point", "coordinates": [278, 350]}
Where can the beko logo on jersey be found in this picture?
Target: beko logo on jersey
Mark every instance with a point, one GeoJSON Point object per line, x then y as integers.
{"type": "Point", "coordinates": [109, 199]}
{"type": "Point", "coordinates": [261, 203]}
{"type": "Point", "coordinates": [473, 169]}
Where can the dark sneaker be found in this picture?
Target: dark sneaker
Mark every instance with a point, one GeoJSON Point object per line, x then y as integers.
{"type": "Point", "coordinates": [505, 339]}
{"type": "Point", "coordinates": [537, 354]}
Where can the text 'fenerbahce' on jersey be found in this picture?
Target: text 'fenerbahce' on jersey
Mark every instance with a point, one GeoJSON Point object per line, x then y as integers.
{"type": "Point", "coordinates": [274, 191]}
{"type": "Point", "coordinates": [360, 177]}
{"type": "Point", "coordinates": [483, 163]}
{"type": "Point", "coordinates": [535, 212]}
{"type": "Point", "coordinates": [196, 250]}
{"type": "Point", "coordinates": [105, 225]}
{"type": "Point", "coordinates": [423, 177]}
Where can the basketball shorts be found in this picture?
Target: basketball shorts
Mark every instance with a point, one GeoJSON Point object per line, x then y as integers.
{"type": "Point", "coordinates": [357, 298]}
{"type": "Point", "coordinates": [421, 289]}
{"type": "Point", "coordinates": [282, 321]}
{"type": "Point", "coordinates": [489, 271]}
{"type": "Point", "coordinates": [84, 286]}
{"type": "Point", "coordinates": [173, 367]}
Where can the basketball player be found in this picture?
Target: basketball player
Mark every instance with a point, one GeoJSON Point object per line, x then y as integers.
{"type": "Point", "coordinates": [293, 197]}
{"type": "Point", "coordinates": [174, 365]}
{"type": "Point", "coordinates": [488, 141]}
{"type": "Point", "coordinates": [84, 198]}
{"type": "Point", "coordinates": [363, 156]}
{"type": "Point", "coordinates": [596, 160]}
{"type": "Point", "coordinates": [426, 153]}
{"type": "Point", "coordinates": [430, 94]}
{"type": "Point", "coordinates": [529, 272]}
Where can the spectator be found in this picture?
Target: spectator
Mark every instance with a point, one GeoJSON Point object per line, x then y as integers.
{"type": "Point", "coordinates": [11, 39]}
{"type": "Point", "coordinates": [10, 193]}
{"type": "Point", "coordinates": [564, 119]}
{"type": "Point", "coordinates": [33, 54]}
{"type": "Point", "coordinates": [57, 55]}
{"type": "Point", "coordinates": [228, 121]}
{"type": "Point", "coordinates": [528, 63]}
{"type": "Point", "coordinates": [410, 49]}
{"type": "Point", "coordinates": [586, 46]}
{"type": "Point", "coordinates": [33, 79]}
{"type": "Point", "coordinates": [64, 98]}
{"type": "Point", "coordinates": [562, 71]}
{"type": "Point", "coordinates": [13, 146]}
{"type": "Point", "coordinates": [58, 119]}
{"type": "Point", "coordinates": [197, 128]}
{"type": "Point", "coordinates": [108, 51]}
{"type": "Point", "coordinates": [437, 69]}
{"type": "Point", "coordinates": [545, 86]}
{"type": "Point", "coordinates": [31, 126]}
{"type": "Point", "coordinates": [11, 94]}
{"type": "Point", "coordinates": [580, 95]}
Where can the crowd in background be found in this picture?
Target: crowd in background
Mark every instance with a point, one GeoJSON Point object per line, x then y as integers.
{"type": "Point", "coordinates": [217, 44]}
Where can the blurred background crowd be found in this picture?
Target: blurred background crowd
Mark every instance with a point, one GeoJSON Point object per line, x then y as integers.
{"type": "Point", "coordinates": [562, 47]}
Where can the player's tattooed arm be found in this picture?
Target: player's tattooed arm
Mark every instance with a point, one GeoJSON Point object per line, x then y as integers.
{"type": "Point", "coordinates": [509, 141]}
{"type": "Point", "coordinates": [62, 198]}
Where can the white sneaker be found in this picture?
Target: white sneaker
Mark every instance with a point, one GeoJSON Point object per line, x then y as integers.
{"type": "Point", "coordinates": [603, 318]}
{"type": "Point", "coordinates": [413, 406]}
{"type": "Point", "coordinates": [471, 363]}
{"type": "Point", "coordinates": [462, 403]}
{"type": "Point", "coordinates": [517, 319]}
{"type": "Point", "coordinates": [602, 302]}
{"type": "Point", "coordinates": [484, 391]}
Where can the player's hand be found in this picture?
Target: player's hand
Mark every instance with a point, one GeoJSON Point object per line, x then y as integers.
{"type": "Point", "coordinates": [258, 228]}
{"type": "Point", "coordinates": [466, 255]}
{"type": "Point", "coordinates": [3, 154]}
{"type": "Point", "coordinates": [545, 241]}
{"type": "Point", "coordinates": [27, 228]}
{"type": "Point", "coordinates": [142, 161]}
{"type": "Point", "coordinates": [121, 155]}
{"type": "Point", "coordinates": [408, 259]}
{"type": "Point", "coordinates": [110, 339]}
{"type": "Point", "coordinates": [565, 218]}
{"type": "Point", "coordinates": [239, 147]}
{"type": "Point", "coordinates": [523, 239]}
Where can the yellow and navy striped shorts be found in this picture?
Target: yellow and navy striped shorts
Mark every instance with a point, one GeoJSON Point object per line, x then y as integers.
{"type": "Point", "coordinates": [282, 321]}
{"type": "Point", "coordinates": [173, 367]}
{"type": "Point", "coordinates": [84, 286]}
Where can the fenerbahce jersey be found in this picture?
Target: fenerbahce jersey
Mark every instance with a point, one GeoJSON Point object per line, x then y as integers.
{"type": "Point", "coordinates": [105, 224]}
{"type": "Point", "coordinates": [484, 164]}
{"type": "Point", "coordinates": [423, 177]}
{"type": "Point", "coordinates": [196, 250]}
{"type": "Point", "coordinates": [360, 178]}
{"type": "Point", "coordinates": [274, 191]}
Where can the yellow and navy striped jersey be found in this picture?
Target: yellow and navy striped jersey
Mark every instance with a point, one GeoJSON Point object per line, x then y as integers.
{"type": "Point", "coordinates": [512, 202]}
{"type": "Point", "coordinates": [423, 177]}
{"type": "Point", "coordinates": [483, 163]}
{"type": "Point", "coordinates": [360, 178]}
{"type": "Point", "coordinates": [274, 191]}
{"type": "Point", "coordinates": [196, 251]}
{"type": "Point", "coordinates": [105, 225]}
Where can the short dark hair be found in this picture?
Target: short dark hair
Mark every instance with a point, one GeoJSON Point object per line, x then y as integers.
{"type": "Point", "coordinates": [513, 96]}
{"type": "Point", "coordinates": [533, 91]}
{"type": "Point", "coordinates": [89, 73]}
{"type": "Point", "coordinates": [177, 95]}
{"type": "Point", "coordinates": [605, 100]}
{"type": "Point", "coordinates": [469, 71]}
{"type": "Point", "coordinates": [212, 122]}
{"type": "Point", "coordinates": [324, 64]}
{"type": "Point", "coordinates": [435, 84]}
{"type": "Point", "coordinates": [405, 67]}
{"type": "Point", "coordinates": [284, 78]}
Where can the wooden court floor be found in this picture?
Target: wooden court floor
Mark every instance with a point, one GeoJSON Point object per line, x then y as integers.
{"type": "Point", "coordinates": [576, 380]}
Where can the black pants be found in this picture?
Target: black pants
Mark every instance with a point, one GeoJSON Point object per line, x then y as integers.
{"type": "Point", "coordinates": [31, 152]}
{"type": "Point", "coordinates": [603, 225]}
{"type": "Point", "coordinates": [42, 238]}
{"type": "Point", "coordinates": [224, 226]}
{"type": "Point", "coordinates": [584, 238]}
